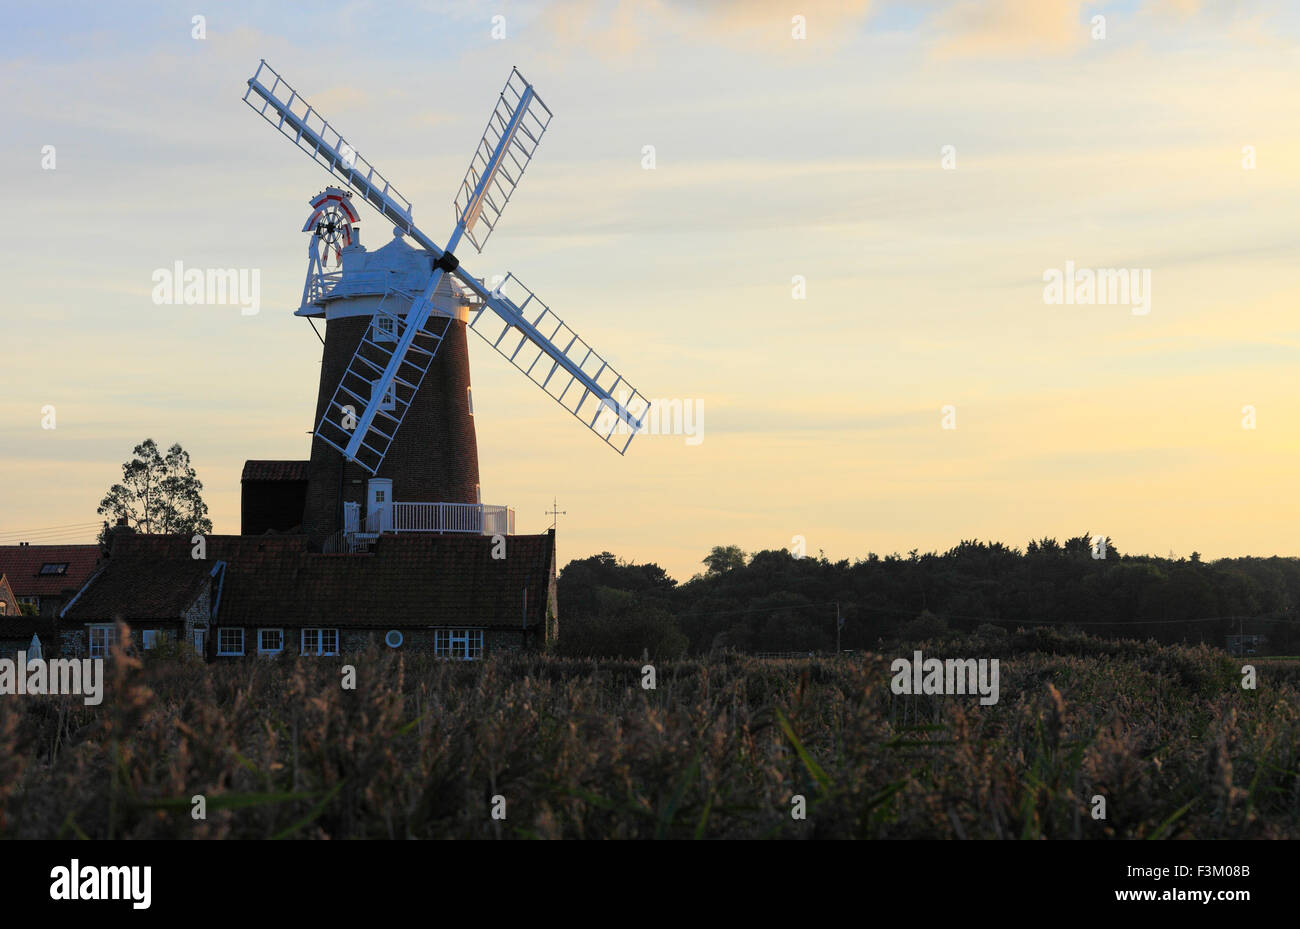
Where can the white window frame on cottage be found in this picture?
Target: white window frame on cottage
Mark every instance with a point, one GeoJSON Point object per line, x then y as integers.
{"type": "Point", "coordinates": [319, 635]}
{"type": "Point", "coordinates": [261, 645]}
{"type": "Point", "coordinates": [221, 649]}
{"type": "Point", "coordinates": [148, 638]}
{"type": "Point", "coordinates": [458, 644]}
{"type": "Point", "coordinates": [380, 333]}
{"type": "Point", "coordinates": [107, 638]}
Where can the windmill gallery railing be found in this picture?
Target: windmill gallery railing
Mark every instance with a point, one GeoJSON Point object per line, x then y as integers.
{"type": "Point", "coordinates": [477, 518]}
{"type": "Point", "coordinates": [466, 518]}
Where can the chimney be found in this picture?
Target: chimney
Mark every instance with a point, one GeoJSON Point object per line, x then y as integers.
{"type": "Point", "coordinates": [121, 520]}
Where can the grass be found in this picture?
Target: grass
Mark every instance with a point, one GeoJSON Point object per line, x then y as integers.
{"type": "Point", "coordinates": [1166, 735]}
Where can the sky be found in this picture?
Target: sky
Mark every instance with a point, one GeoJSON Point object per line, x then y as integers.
{"type": "Point", "coordinates": [841, 256]}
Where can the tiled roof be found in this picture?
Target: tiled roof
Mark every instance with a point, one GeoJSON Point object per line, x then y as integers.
{"type": "Point", "coordinates": [267, 470]}
{"type": "Point", "coordinates": [146, 577]}
{"type": "Point", "coordinates": [410, 579]}
{"type": "Point", "coordinates": [22, 564]}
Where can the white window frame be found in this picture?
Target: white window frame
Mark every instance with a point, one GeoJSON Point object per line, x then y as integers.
{"type": "Point", "coordinates": [107, 638]}
{"type": "Point", "coordinates": [389, 401]}
{"type": "Point", "coordinates": [320, 637]}
{"type": "Point", "coordinates": [394, 638]}
{"type": "Point", "coordinates": [458, 644]}
{"type": "Point", "coordinates": [221, 650]}
{"type": "Point", "coordinates": [469, 398]}
{"type": "Point", "coordinates": [380, 334]}
{"type": "Point", "coordinates": [261, 649]}
{"type": "Point", "coordinates": [148, 638]}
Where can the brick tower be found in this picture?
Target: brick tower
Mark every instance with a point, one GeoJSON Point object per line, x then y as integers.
{"type": "Point", "coordinates": [434, 456]}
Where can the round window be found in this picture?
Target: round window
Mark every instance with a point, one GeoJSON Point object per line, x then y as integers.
{"type": "Point", "coordinates": [393, 639]}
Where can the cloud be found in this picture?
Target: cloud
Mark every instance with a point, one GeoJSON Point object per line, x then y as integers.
{"type": "Point", "coordinates": [616, 30]}
{"type": "Point", "coordinates": [978, 28]}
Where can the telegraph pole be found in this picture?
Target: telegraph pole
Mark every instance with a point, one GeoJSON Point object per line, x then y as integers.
{"type": "Point", "coordinates": [839, 624]}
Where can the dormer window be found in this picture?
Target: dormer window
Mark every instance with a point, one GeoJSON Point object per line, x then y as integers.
{"type": "Point", "coordinates": [54, 567]}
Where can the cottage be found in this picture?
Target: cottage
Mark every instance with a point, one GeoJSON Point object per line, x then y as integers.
{"type": "Point", "coordinates": [443, 594]}
{"type": "Point", "coordinates": [46, 576]}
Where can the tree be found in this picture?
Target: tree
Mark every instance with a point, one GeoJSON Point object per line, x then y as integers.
{"type": "Point", "coordinates": [158, 493]}
{"type": "Point", "coordinates": [724, 558]}
{"type": "Point", "coordinates": [623, 626]}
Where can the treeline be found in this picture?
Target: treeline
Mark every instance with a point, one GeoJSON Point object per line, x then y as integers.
{"type": "Point", "coordinates": [775, 601]}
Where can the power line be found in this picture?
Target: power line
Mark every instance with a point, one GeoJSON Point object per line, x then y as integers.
{"type": "Point", "coordinates": [64, 538]}
{"type": "Point", "coordinates": [48, 528]}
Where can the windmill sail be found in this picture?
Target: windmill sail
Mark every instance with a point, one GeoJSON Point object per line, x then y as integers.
{"type": "Point", "coordinates": [280, 105]}
{"type": "Point", "coordinates": [513, 133]}
{"type": "Point", "coordinates": [538, 343]}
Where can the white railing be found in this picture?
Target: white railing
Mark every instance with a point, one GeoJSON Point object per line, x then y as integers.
{"type": "Point", "coordinates": [324, 284]}
{"type": "Point", "coordinates": [442, 517]}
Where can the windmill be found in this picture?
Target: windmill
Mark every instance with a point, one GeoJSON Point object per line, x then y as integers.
{"type": "Point", "coordinates": [509, 317]}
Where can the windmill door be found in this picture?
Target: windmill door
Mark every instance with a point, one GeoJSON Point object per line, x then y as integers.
{"type": "Point", "coordinates": [379, 505]}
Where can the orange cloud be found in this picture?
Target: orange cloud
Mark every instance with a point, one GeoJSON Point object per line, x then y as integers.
{"type": "Point", "coordinates": [975, 28]}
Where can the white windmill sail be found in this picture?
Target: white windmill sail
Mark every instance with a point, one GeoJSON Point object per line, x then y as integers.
{"type": "Point", "coordinates": [537, 342]}
{"type": "Point", "coordinates": [513, 132]}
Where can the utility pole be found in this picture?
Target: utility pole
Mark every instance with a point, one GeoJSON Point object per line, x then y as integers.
{"type": "Point", "coordinates": [839, 624]}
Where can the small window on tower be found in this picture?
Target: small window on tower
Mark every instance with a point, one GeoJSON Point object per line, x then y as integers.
{"type": "Point", "coordinates": [384, 329]}
{"type": "Point", "coordinates": [389, 401]}
{"type": "Point", "coordinates": [469, 398]}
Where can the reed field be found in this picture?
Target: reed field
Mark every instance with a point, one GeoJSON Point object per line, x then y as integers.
{"type": "Point", "coordinates": [578, 748]}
